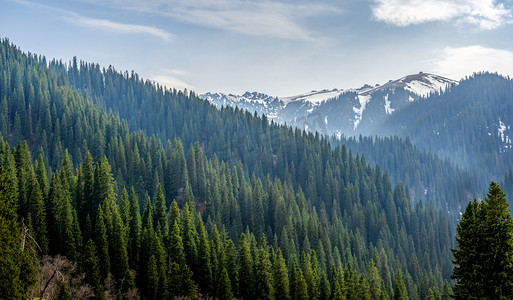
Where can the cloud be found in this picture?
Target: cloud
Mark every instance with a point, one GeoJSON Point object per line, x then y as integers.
{"type": "Point", "coordinates": [459, 62]}
{"type": "Point", "coordinates": [169, 80]}
{"type": "Point", "coordinates": [118, 27]}
{"type": "Point", "coordinates": [486, 14]}
{"type": "Point", "coordinates": [255, 18]}
{"type": "Point", "coordinates": [102, 24]}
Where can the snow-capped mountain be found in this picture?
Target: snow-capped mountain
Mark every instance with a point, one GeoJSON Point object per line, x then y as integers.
{"type": "Point", "coordinates": [338, 111]}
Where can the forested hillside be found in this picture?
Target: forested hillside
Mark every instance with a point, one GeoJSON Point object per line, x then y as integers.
{"type": "Point", "coordinates": [469, 122]}
{"type": "Point", "coordinates": [429, 178]}
{"type": "Point", "coordinates": [249, 210]}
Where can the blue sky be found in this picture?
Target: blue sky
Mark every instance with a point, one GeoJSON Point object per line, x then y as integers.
{"type": "Point", "coordinates": [277, 47]}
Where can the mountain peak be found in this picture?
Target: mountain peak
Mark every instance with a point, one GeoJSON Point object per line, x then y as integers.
{"type": "Point", "coordinates": [421, 84]}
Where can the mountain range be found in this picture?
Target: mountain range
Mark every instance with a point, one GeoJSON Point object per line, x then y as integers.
{"type": "Point", "coordinates": [348, 112]}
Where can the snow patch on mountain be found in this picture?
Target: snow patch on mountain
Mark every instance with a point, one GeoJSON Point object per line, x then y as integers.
{"type": "Point", "coordinates": [314, 97]}
{"type": "Point", "coordinates": [388, 109]}
{"type": "Point", "coordinates": [506, 140]}
{"type": "Point", "coordinates": [363, 100]}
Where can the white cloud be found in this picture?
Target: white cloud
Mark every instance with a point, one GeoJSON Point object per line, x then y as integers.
{"type": "Point", "coordinates": [101, 24]}
{"type": "Point", "coordinates": [171, 82]}
{"type": "Point", "coordinates": [249, 17]}
{"type": "Point", "coordinates": [486, 14]}
{"type": "Point", "coordinates": [459, 62]}
{"type": "Point", "coordinates": [118, 27]}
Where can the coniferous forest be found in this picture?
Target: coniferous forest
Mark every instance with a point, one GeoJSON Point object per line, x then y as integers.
{"type": "Point", "coordinates": [112, 187]}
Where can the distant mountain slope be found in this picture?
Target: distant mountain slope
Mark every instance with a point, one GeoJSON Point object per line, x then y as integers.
{"type": "Point", "coordinates": [470, 122]}
{"type": "Point", "coordinates": [338, 111]}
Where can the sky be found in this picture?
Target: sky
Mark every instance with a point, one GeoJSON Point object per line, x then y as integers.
{"type": "Point", "coordinates": [281, 48]}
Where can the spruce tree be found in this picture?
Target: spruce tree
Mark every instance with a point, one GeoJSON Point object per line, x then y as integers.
{"type": "Point", "coordinates": [134, 230]}
{"type": "Point", "coordinates": [11, 287]}
{"type": "Point", "coordinates": [400, 292]}
{"type": "Point", "coordinates": [225, 287]}
{"type": "Point", "coordinates": [176, 250]}
{"type": "Point", "coordinates": [152, 278]}
{"type": "Point", "coordinates": [246, 279]}
{"type": "Point", "coordinates": [484, 254]}
{"type": "Point", "coordinates": [91, 269]}
{"type": "Point", "coordinates": [466, 255]}
{"type": "Point", "coordinates": [263, 267]}
{"type": "Point", "coordinates": [119, 257]}
{"type": "Point", "coordinates": [102, 244]}
{"type": "Point", "coordinates": [37, 211]}
{"type": "Point", "coordinates": [281, 277]}
{"type": "Point", "coordinates": [301, 289]}
{"type": "Point", "coordinates": [497, 258]}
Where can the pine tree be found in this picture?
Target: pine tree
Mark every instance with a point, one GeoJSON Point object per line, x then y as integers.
{"type": "Point", "coordinates": [230, 258]}
{"type": "Point", "coordinates": [176, 250]}
{"type": "Point", "coordinates": [189, 233]}
{"type": "Point", "coordinates": [466, 254]}
{"type": "Point", "coordinates": [204, 264]}
{"type": "Point", "coordinates": [160, 216]}
{"type": "Point", "coordinates": [281, 277]}
{"type": "Point", "coordinates": [134, 230]}
{"type": "Point", "coordinates": [301, 289]}
{"type": "Point", "coordinates": [338, 288]}
{"type": "Point", "coordinates": [311, 276]}
{"type": "Point", "coordinates": [119, 257]}
{"type": "Point", "coordinates": [484, 257]}
{"type": "Point", "coordinates": [102, 244]}
{"type": "Point", "coordinates": [497, 258]}
{"type": "Point", "coordinates": [91, 269]}
{"type": "Point", "coordinates": [37, 211]}
{"type": "Point", "coordinates": [362, 289]}
{"type": "Point", "coordinates": [374, 281]}
{"type": "Point", "coordinates": [324, 287]}
{"type": "Point", "coordinates": [245, 271]}
{"type": "Point", "coordinates": [225, 287]}
{"type": "Point", "coordinates": [263, 272]}
{"type": "Point", "coordinates": [11, 287]}
{"type": "Point", "coordinates": [400, 292]}
{"type": "Point", "coordinates": [153, 278]}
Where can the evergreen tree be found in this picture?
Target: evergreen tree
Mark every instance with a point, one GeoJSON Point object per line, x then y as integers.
{"type": "Point", "coordinates": [160, 216]}
{"type": "Point", "coordinates": [362, 289]}
{"type": "Point", "coordinates": [176, 250]}
{"type": "Point", "coordinates": [263, 273]}
{"type": "Point", "coordinates": [204, 264]}
{"type": "Point", "coordinates": [484, 257]}
{"type": "Point", "coordinates": [119, 257]}
{"type": "Point", "coordinates": [11, 286]}
{"type": "Point", "coordinates": [497, 258]}
{"type": "Point", "coordinates": [225, 287]}
{"type": "Point", "coordinates": [281, 277]}
{"type": "Point", "coordinates": [245, 272]}
{"type": "Point", "coordinates": [301, 289]}
{"type": "Point", "coordinates": [400, 292]}
{"type": "Point", "coordinates": [134, 230]}
{"type": "Point", "coordinates": [91, 269]}
{"type": "Point", "coordinates": [102, 244]}
{"type": "Point", "coordinates": [153, 278]}
{"type": "Point", "coordinates": [466, 255]}
{"type": "Point", "coordinates": [37, 211]}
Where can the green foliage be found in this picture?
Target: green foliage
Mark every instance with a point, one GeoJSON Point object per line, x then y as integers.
{"type": "Point", "coordinates": [484, 255]}
{"type": "Point", "coordinates": [225, 287]}
{"type": "Point", "coordinates": [400, 292]}
{"type": "Point", "coordinates": [11, 267]}
{"type": "Point", "coordinates": [281, 277]}
{"type": "Point", "coordinates": [243, 174]}
{"type": "Point", "coordinates": [91, 269]}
